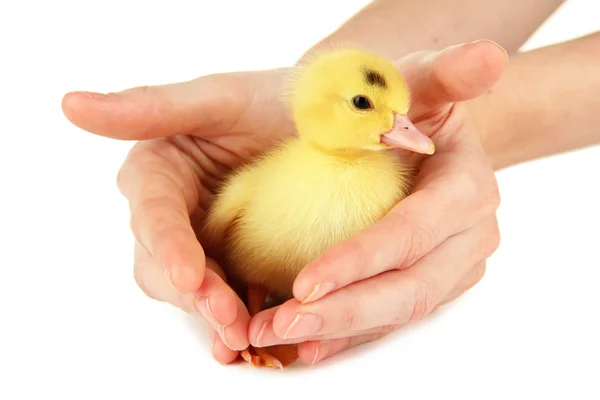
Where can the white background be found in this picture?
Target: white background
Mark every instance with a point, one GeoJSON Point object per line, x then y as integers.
{"type": "Point", "coordinates": [73, 322]}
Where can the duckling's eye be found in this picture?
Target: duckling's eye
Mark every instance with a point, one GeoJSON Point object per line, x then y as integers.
{"type": "Point", "coordinates": [362, 103]}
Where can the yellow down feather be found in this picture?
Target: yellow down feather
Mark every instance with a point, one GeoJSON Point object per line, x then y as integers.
{"type": "Point", "coordinates": [276, 214]}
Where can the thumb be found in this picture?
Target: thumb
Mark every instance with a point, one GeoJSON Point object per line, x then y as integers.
{"type": "Point", "coordinates": [457, 73]}
{"type": "Point", "coordinates": [209, 103]}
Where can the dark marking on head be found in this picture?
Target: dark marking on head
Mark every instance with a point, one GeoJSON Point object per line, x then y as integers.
{"type": "Point", "coordinates": [375, 78]}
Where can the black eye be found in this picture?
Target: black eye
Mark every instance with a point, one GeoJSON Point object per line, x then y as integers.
{"type": "Point", "coordinates": [362, 103]}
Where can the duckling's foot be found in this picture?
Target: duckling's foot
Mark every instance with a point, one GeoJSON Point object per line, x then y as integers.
{"type": "Point", "coordinates": [257, 295]}
{"type": "Point", "coordinates": [279, 356]}
{"type": "Point", "coordinates": [274, 356]}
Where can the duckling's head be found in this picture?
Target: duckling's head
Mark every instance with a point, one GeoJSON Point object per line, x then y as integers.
{"type": "Point", "coordinates": [352, 100]}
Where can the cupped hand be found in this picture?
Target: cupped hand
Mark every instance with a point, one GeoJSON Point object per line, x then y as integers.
{"type": "Point", "coordinates": [430, 248]}
{"type": "Point", "coordinates": [190, 134]}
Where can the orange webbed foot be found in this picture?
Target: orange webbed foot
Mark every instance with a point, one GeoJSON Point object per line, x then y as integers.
{"type": "Point", "coordinates": [279, 356]}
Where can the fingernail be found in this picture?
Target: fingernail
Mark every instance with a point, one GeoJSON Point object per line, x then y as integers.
{"type": "Point", "coordinates": [303, 325]}
{"type": "Point", "coordinates": [212, 342]}
{"type": "Point", "coordinates": [495, 44]}
{"type": "Point", "coordinates": [450, 49]}
{"type": "Point", "coordinates": [315, 358]}
{"type": "Point", "coordinates": [457, 47]}
{"type": "Point", "coordinates": [92, 95]}
{"type": "Point", "coordinates": [320, 290]}
{"type": "Point", "coordinates": [260, 334]}
{"type": "Point", "coordinates": [223, 336]}
{"type": "Point", "coordinates": [203, 307]}
{"type": "Point", "coordinates": [320, 352]}
{"type": "Point", "coordinates": [168, 275]}
{"type": "Point", "coordinates": [431, 149]}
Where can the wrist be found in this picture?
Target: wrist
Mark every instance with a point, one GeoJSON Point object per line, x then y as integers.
{"type": "Point", "coordinates": [534, 111]}
{"type": "Point", "coordinates": [489, 126]}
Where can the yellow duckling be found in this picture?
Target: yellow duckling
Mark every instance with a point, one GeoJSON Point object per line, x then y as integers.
{"type": "Point", "coordinates": [338, 176]}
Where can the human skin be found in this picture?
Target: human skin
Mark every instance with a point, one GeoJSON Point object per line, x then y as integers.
{"type": "Point", "coordinates": [166, 180]}
{"type": "Point", "coordinates": [545, 103]}
{"type": "Point", "coordinates": [395, 28]}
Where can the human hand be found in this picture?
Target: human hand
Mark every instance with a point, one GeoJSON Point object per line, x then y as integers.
{"type": "Point", "coordinates": [430, 248]}
{"type": "Point", "coordinates": [190, 134]}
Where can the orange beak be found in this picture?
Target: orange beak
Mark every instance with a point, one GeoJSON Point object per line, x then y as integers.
{"type": "Point", "coordinates": [405, 135]}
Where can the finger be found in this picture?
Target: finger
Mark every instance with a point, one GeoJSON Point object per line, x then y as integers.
{"type": "Point", "coordinates": [260, 329]}
{"type": "Point", "coordinates": [214, 301]}
{"type": "Point", "coordinates": [235, 336]}
{"type": "Point", "coordinates": [152, 278]}
{"type": "Point", "coordinates": [165, 110]}
{"type": "Point", "coordinates": [161, 196]}
{"type": "Point", "coordinates": [315, 351]}
{"type": "Point", "coordinates": [261, 333]}
{"type": "Point", "coordinates": [450, 201]}
{"type": "Point", "coordinates": [266, 336]}
{"type": "Point", "coordinates": [455, 74]}
{"type": "Point", "coordinates": [261, 326]}
{"type": "Point", "coordinates": [218, 303]}
{"type": "Point", "coordinates": [392, 298]}
{"type": "Point", "coordinates": [221, 352]}
{"type": "Point", "coordinates": [471, 278]}
{"type": "Point", "coordinates": [210, 104]}
{"type": "Point", "coordinates": [320, 348]}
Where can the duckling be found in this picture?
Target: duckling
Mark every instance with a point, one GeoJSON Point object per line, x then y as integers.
{"type": "Point", "coordinates": [335, 177]}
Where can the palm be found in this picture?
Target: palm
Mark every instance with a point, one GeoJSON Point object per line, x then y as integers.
{"type": "Point", "coordinates": [249, 113]}
{"type": "Point", "coordinates": [190, 135]}
{"type": "Point", "coordinates": [250, 118]}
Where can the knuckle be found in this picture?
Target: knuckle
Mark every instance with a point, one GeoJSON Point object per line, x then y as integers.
{"type": "Point", "coordinates": [469, 184]}
{"type": "Point", "coordinates": [421, 241]}
{"type": "Point", "coordinates": [413, 238]}
{"type": "Point", "coordinates": [163, 238]}
{"type": "Point", "coordinates": [359, 260]}
{"type": "Point", "coordinates": [388, 328]}
{"type": "Point", "coordinates": [425, 298]}
{"type": "Point", "coordinates": [138, 89]}
{"type": "Point", "coordinates": [488, 196]}
{"type": "Point", "coordinates": [493, 239]}
{"type": "Point", "coordinates": [346, 343]}
{"type": "Point", "coordinates": [479, 273]}
{"type": "Point", "coordinates": [482, 190]}
{"type": "Point", "coordinates": [490, 199]}
{"type": "Point", "coordinates": [349, 319]}
{"type": "Point", "coordinates": [160, 151]}
{"type": "Point", "coordinates": [151, 213]}
{"type": "Point", "coordinates": [148, 206]}
{"type": "Point", "coordinates": [141, 160]}
{"type": "Point", "coordinates": [358, 340]}
{"type": "Point", "coordinates": [473, 278]}
{"type": "Point", "coordinates": [125, 172]}
{"type": "Point", "coordinates": [138, 220]}
{"type": "Point", "coordinates": [402, 239]}
{"type": "Point", "coordinates": [354, 258]}
{"type": "Point", "coordinates": [121, 181]}
{"type": "Point", "coordinates": [487, 242]}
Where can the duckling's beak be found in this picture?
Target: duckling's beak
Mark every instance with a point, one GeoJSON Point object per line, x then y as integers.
{"type": "Point", "coordinates": [405, 135]}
